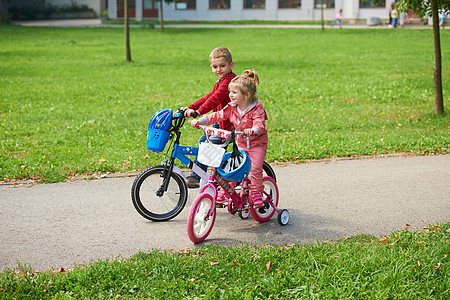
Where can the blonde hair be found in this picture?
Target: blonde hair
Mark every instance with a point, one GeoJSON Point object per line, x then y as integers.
{"type": "Point", "coordinates": [221, 52]}
{"type": "Point", "coordinates": [247, 83]}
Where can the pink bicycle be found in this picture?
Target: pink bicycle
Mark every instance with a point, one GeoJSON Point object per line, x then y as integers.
{"type": "Point", "coordinates": [230, 172]}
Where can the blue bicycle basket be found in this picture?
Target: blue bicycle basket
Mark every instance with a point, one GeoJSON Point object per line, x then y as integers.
{"type": "Point", "coordinates": [235, 168]}
{"type": "Point", "coordinates": [157, 135]}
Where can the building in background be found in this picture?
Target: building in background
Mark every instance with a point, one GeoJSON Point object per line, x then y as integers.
{"type": "Point", "coordinates": [354, 11]}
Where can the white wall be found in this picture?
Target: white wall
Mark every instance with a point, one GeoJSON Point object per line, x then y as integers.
{"type": "Point", "coordinates": [307, 12]}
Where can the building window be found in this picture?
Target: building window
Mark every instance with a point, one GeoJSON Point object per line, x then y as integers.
{"type": "Point", "coordinates": [254, 3]}
{"type": "Point", "coordinates": [185, 4]}
{"type": "Point", "coordinates": [289, 3]}
{"type": "Point", "coordinates": [370, 4]}
{"type": "Point", "coordinates": [219, 4]}
{"type": "Point", "coordinates": [148, 4]}
{"type": "Point", "coordinates": [326, 3]}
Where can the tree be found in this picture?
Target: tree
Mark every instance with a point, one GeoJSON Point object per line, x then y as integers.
{"type": "Point", "coordinates": [161, 19]}
{"type": "Point", "coordinates": [431, 8]}
{"type": "Point", "coordinates": [127, 32]}
{"type": "Point", "coordinates": [321, 15]}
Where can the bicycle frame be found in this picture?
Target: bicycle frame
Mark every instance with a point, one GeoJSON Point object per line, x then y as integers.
{"type": "Point", "coordinates": [238, 201]}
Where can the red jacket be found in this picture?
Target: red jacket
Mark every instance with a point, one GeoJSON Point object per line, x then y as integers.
{"type": "Point", "coordinates": [215, 100]}
{"type": "Point", "coordinates": [254, 118]}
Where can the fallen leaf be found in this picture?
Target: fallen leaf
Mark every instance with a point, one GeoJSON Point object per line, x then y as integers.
{"type": "Point", "coordinates": [437, 267]}
{"type": "Point", "coordinates": [236, 263]}
{"type": "Point", "coordinates": [268, 265]}
{"type": "Point", "coordinates": [278, 232]}
{"type": "Point", "coordinates": [383, 240]}
{"type": "Point", "coordinates": [192, 280]}
{"type": "Point", "coordinates": [419, 263]}
{"type": "Point", "coordinates": [213, 263]}
{"type": "Point", "coordinates": [222, 278]}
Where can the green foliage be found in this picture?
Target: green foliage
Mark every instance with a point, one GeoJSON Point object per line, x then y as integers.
{"type": "Point", "coordinates": [31, 12]}
{"type": "Point", "coordinates": [406, 265]}
{"type": "Point", "coordinates": [70, 104]}
{"type": "Point", "coordinates": [420, 7]}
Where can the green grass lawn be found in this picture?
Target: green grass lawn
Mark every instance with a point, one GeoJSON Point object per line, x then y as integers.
{"type": "Point", "coordinates": [404, 265]}
{"type": "Point", "coordinates": [70, 104]}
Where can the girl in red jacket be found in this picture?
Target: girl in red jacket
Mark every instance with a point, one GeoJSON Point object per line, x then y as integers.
{"type": "Point", "coordinates": [247, 115]}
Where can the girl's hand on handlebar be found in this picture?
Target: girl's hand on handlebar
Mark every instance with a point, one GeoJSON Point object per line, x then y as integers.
{"type": "Point", "coordinates": [195, 123]}
{"type": "Point", "coordinates": [249, 132]}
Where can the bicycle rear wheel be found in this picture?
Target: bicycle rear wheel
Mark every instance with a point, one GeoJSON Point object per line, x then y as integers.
{"type": "Point", "coordinates": [154, 207]}
{"type": "Point", "coordinates": [267, 169]}
{"type": "Point", "coordinates": [199, 224]}
{"type": "Point", "coordinates": [263, 214]}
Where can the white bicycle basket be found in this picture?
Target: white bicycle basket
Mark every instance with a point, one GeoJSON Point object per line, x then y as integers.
{"type": "Point", "coordinates": [210, 154]}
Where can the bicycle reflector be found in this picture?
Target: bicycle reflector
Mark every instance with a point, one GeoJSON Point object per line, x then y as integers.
{"type": "Point", "coordinates": [157, 135]}
{"type": "Point", "coordinates": [235, 167]}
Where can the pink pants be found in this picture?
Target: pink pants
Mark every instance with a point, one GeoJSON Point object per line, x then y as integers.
{"type": "Point", "coordinates": [257, 155]}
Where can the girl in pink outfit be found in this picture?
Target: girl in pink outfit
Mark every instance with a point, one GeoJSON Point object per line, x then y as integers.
{"type": "Point", "coordinates": [247, 115]}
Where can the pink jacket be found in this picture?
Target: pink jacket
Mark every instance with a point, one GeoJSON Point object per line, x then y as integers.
{"type": "Point", "coordinates": [254, 118]}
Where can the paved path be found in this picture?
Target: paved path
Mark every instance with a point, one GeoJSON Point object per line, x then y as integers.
{"type": "Point", "coordinates": [98, 23]}
{"type": "Point", "coordinates": [57, 225]}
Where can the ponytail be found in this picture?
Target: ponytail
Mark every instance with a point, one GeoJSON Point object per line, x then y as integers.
{"type": "Point", "coordinates": [247, 83]}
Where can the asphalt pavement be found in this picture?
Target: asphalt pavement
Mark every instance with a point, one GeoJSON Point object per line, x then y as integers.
{"type": "Point", "coordinates": [63, 224]}
{"type": "Point", "coordinates": [98, 23]}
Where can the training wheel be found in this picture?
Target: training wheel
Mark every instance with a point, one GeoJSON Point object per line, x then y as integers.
{"type": "Point", "coordinates": [283, 217]}
{"type": "Point", "coordinates": [230, 207]}
{"type": "Point", "coordinates": [244, 213]}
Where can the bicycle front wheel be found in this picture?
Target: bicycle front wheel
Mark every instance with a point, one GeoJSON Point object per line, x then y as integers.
{"type": "Point", "coordinates": [149, 204]}
{"type": "Point", "coordinates": [199, 223]}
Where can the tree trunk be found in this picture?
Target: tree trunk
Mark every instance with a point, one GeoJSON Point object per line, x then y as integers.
{"type": "Point", "coordinates": [321, 15]}
{"type": "Point", "coordinates": [438, 97]}
{"type": "Point", "coordinates": [161, 19]}
{"type": "Point", "coordinates": [3, 11]}
{"type": "Point", "coordinates": [127, 32]}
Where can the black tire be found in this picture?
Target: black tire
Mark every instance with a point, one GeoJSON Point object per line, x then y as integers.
{"type": "Point", "coordinates": [283, 217]}
{"type": "Point", "coordinates": [153, 207]}
{"type": "Point", "coordinates": [269, 171]}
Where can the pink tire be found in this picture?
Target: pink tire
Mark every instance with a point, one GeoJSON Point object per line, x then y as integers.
{"type": "Point", "coordinates": [263, 214]}
{"type": "Point", "coordinates": [198, 225]}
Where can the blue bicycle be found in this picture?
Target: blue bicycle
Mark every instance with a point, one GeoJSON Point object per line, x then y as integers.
{"type": "Point", "coordinates": [159, 193]}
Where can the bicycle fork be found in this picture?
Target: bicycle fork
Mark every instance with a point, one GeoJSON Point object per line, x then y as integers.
{"type": "Point", "coordinates": [168, 168]}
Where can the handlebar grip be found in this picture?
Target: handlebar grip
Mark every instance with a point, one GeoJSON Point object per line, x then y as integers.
{"type": "Point", "coordinates": [194, 114]}
{"type": "Point", "coordinates": [242, 133]}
